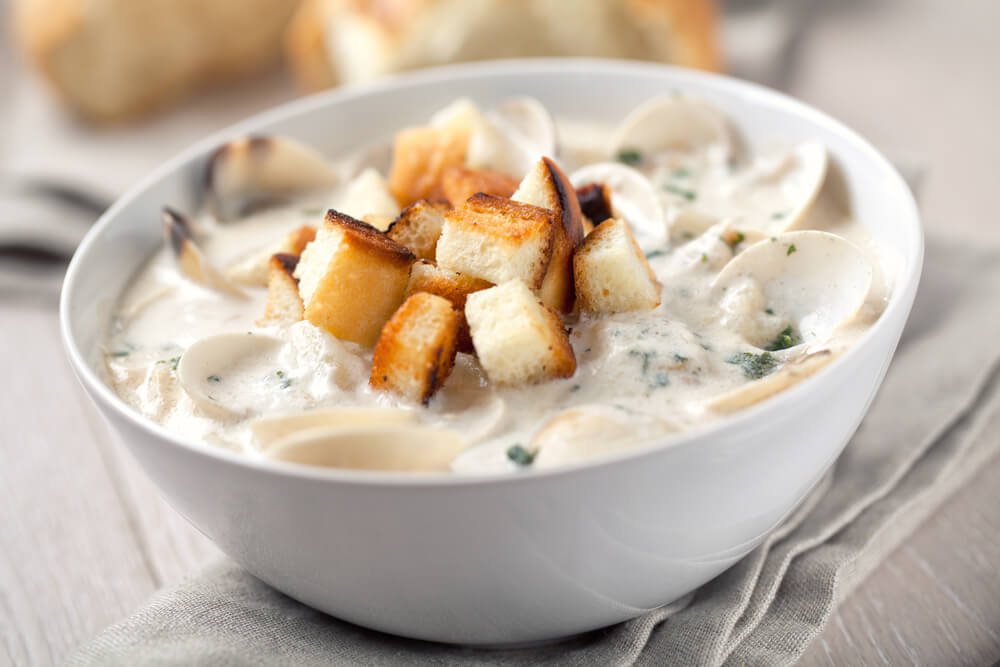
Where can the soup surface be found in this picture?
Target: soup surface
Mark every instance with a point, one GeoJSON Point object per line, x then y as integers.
{"type": "Point", "coordinates": [764, 276]}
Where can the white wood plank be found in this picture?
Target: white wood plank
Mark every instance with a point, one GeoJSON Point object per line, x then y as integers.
{"type": "Point", "coordinates": [70, 562]}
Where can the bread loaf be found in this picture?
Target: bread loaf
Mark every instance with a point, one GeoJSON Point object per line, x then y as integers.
{"type": "Point", "coordinates": [331, 42]}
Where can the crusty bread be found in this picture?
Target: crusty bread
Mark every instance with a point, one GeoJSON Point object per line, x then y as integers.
{"type": "Point", "coordinates": [611, 273]}
{"type": "Point", "coordinates": [547, 186]}
{"type": "Point", "coordinates": [456, 287]}
{"type": "Point", "coordinates": [332, 42]}
{"type": "Point", "coordinates": [352, 278]}
{"type": "Point", "coordinates": [113, 60]}
{"type": "Point", "coordinates": [418, 227]}
{"type": "Point", "coordinates": [419, 157]}
{"type": "Point", "coordinates": [284, 305]}
{"type": "Point", "coordinates": [255, 269]}
{"type": "Point", "coordinates": [459, 183]}
{"type": "Point", "coordinates": [497, 240]}
{"type": "Point", "coordinates": [416, 349]}
{"type": "Point", "coordinates": [518, 339]}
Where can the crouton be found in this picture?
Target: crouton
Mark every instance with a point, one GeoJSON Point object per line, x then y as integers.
{"type": "Point", "coordinates": [519, 340]}
{"type": "Point", "coordinates": [458, 183]}
{"type": "Point", "coordinates": [547, 186]}
{"type": "Point", "coordinates": [416, 350]}
{"type": "Point", "coordinates": [352, 278]}
{"type": "Point", "coordinates": [611, 273]}
{"type": "Point", "coordinates": [595, 202]}
{"type": "Point", "coordinates": [420, 155]}
{"type": "Point", "coordinates": [419, 226]}
{"type": "Point", "coordinates": [284, 305]}
{"type": "Point", "coordinates": [425, 277]}
{"type": "Point", "coordinates": [254, 270]}
{"type": "Point", "coordinates": [497, 240]}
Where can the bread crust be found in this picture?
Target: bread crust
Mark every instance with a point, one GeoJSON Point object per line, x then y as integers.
{"type": "Point", "coordinates": [611, 272]}
{"type": "Point", "coordinates": [456, 287]}
{"type": "Point", "coordinates": [284, 305]}
{"type": "Point", "coordinates": [416, 350]}
{"type": "Point", "coordinates": [418, 227]}
{"type": "Point", "coordinates": [458, 183]}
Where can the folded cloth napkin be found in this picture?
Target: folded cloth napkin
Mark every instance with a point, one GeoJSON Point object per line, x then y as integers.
{"type": "Point", "coordinates": [932, 425]}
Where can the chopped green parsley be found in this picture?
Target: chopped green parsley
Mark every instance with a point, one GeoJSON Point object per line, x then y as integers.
{"type": "Point", "coordinates": [681, 172]}
{"type": "Point", "coordinates": [629, 156]}
{"type": "Point", "coordinates": [791, 249]}
{"type": "Point", "coordinates": [784, 340]}
{"type": "Point", "coordinates": [690, 195]}
{"type": "Point", "coordinates": [755, 366]}
{"type": "Point", "coordinates": [659, 252]}
{"type": "Point", "coordinates": [521, 456]}
{"type": "Point", "coordinates": [214, 378]}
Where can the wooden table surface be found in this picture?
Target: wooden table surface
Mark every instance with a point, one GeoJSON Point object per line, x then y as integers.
{"type": "Point", "coordinates": [86, 538]}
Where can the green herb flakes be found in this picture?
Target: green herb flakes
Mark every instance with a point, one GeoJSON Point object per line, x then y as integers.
{"type": "Point", "coordinates": [520, 455]}
{"type": "Point", "coordinates": [690, 195]}
{"type": "Point", "coordinates": [659, 252]}
{"type": "Point", "coordinates": [755, 366]}
{"type": "Point", "coordinates": [704, 257]}
{"type": "Point", "coordinates": [214, 378]}
{"type": "Point", "coordinates": [679, 358]}
{"type": "Point", "coordinates": [681, 172]}
{"type": "Point", "coordinates": [629, 156]}
{"type": "Point", "coordinates": [791, 249]}
{"type": "Point", "coordinates": [784, 340]}
{"type": "Point", "coordinates": [769, 311]}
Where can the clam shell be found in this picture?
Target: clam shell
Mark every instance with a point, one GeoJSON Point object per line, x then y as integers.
{"type": "Point", "coordinates": [496, 145]}
{"type": "Point", "coordinates": [213, 357]}
{"type": "Point", "coordinates": [789, 374]}
{"type": "Point", "coordinates": [813, 280]}
{"type": "Point", "coordinates": [252, 172]}
{"type": "Point", "coordinates": [401, 447]}
{"type": "Point", "coordinates": [271, 429]}
{"type": "Point", "coordinates": [178, 230]}
{"type": "Point", "coordinates": [797, 176]}
{"type": "Point", "coordinates": [632, 198]}
{"type": "Point", "coordinates": [592, 431]}
{"type": "Point", "coordinates": [673, 123]}
{"type": "Point", "coordinates": [529, 117]}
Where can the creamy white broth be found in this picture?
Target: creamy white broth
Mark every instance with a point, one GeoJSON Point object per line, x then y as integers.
{"type": "Point", "coordinates": [640, 375]}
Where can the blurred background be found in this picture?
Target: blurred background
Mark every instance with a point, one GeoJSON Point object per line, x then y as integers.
{"type": "Point", "coordinates": [99, 92]}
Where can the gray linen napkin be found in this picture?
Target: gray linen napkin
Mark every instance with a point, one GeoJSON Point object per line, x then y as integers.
{"type": "Point", "coordinates": [934, 422]}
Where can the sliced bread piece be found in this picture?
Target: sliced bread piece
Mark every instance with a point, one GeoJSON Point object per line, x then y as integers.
{"type": "Point", "coordinates": [456, 287]}
{"type": "Point", "coordinates": [611, 273]}
{"type": "Point", "coordinates": [547, 186]}
{"type": "Point", "coordinates": [419, 158]}
{"type": "Point", "coordinates": [284, 305]}
{"type": "Point", "coordinates": [352, 278]}
{"type": "Point", "coordinates": [416, 349]}
{"type": "Point", "coordinates": [495, 239]}
{"type": "Point", "coordinates": [519, 340]}
{"type": "Point", "coordinates": [418, 227]}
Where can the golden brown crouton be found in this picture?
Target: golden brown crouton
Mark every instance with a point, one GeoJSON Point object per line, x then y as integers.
{"type": "Point", "coordinates": [458, 183]}
{"type": "Point", "coordinates": [352, 278]}
{"type": "Point", "coordinates": [425, 277]}
{"type": "Point", "coordinates": [611, 272]}
{"type": "Point", "coordinates": [420, 156]}
{"type": "Point", "coordinates": [416, 350]}
{"type": "Point", "coordinates": [497, 240]}
{"type": "Point", "coordinates": [547, 186]}
{"type": "Point", "coordinates": [419, 226]}
{"type": "Point", "coordinates": [284, 305]}
{"type": "Point", "coordinates": [519, 340]}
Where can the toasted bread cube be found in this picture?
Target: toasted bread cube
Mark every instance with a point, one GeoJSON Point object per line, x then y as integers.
{"type": "Point", "coordinates": [352, 278]}
{"type": "Point", "coordinates": [611, 272]}
{"type": "Point", "coordinates": [456, 287]}
{"type": "Point", "coordinates": [254, 270]}
{"type": "Point", "coordinates": [420, 156]}
{"type": "Point", "coordinates": [416, 350]}
{"type": "Point", "coordinates": [284, 305]}
{"type": "Point", "coordinates": [458, 183]}
{"type": "Point", "coordinates": [497, 240]}
{"type": "Point", "coordinates": [418, 227]}
{"type": "Point", "coordinates": [547, 186]}
{"type": "Point", "coordinates": [519, 340]}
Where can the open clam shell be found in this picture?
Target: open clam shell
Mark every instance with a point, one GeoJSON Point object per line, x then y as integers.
{"type": "Point", "coordinates": [674, 123]}
{"type": "Point", "coordinates": [269, 430]}
{"type": "Point", "coordinates": [632, 198]}
{"type": "Point", "coordinates": [529, 118]}
{"type": "Point", "coordinates": [179, 233]}
{"type": "Point", "coordinates": [252, 172]}
{"type": "Point", "coordinates": [814, 281]}
{"type": "Point", "coordinates": [496, 145]}
{"type": "Point", "coordinates": [213, 371]}
{"type": "Point", "coordinates": [402, 447]}
{"type": "Point", "coordinates": [789, 182]}
{"type": "Point", "coordinates": [592, 431]}
{"type": "Point", "coordinates": [789, 374]}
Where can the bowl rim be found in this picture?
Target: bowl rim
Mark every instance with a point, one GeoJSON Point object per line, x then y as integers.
{"type": "Point", "coordinates": [901, 298]}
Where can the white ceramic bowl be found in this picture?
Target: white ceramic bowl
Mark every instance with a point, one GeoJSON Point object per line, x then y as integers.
{"type": "Point", "coordinates": [507, 558]}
